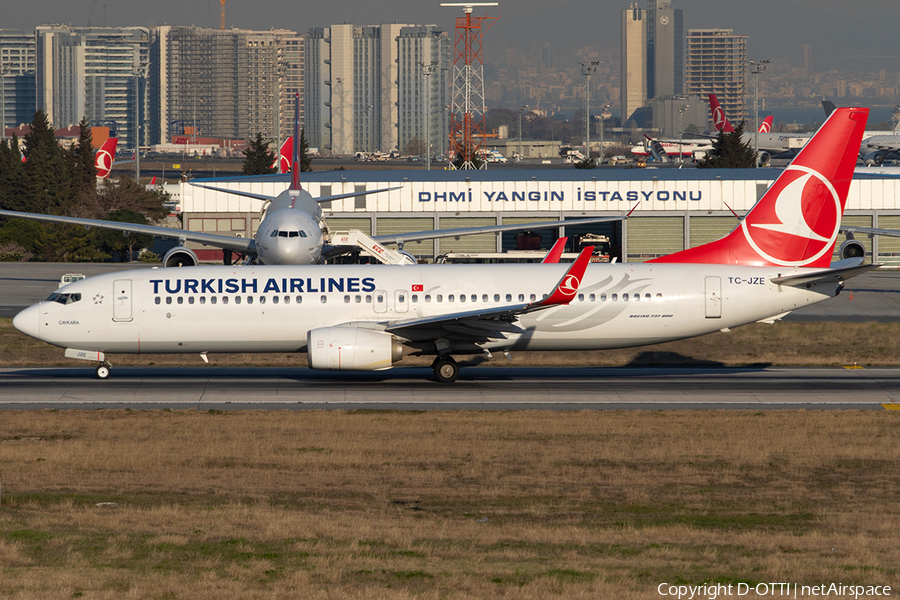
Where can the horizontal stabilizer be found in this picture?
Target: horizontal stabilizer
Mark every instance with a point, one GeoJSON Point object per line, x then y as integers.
{"type": "Point", "coordinates": [823, 276]}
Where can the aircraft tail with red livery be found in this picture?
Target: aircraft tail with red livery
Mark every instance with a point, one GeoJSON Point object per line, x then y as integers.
{"type": "Point", "coordinates": [796, 222]}
{"type": "Point", "coordinates": [766, 125]}
{"type": "Point", "coordinates": [720, 122]}
{"type": "Point", "coordinates": [105, 157]}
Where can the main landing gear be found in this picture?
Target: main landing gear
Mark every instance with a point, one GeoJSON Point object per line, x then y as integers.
{"type": "Point", "coordinates": [445, 369]}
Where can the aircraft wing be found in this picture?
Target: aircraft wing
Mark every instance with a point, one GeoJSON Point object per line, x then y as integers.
{"type": "Point", "coordinates": [415, 236]}
{"type": "Point", "coordinates": [243, 245]}
{"type": "Point", "coordinates": [319, 200]}
{"type": "Point", "coordinates": [477, 326]}
{"type": "Point", "coordinates": [871, 231]}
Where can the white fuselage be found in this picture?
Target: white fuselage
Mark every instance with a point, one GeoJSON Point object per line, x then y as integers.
{"type": "Point", "coordinates": [272, 308]}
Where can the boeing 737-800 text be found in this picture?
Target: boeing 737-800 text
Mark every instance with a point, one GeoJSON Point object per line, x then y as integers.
{"type": "Point", "coordinates": [354, 317]}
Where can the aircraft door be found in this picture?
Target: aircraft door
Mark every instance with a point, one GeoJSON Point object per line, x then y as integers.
{"type": "Point", "coordinates": [713, 297]}
{"type": "Point", "coordinates": [380, 301]}
{"type": "Point", "coordinates": [122, 300]}
{"type": "Point", "coordinates": [401, 301]}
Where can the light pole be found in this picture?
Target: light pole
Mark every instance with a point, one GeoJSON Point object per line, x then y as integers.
{"type": "Point", "coordinates": [756, 68]}
{"type": "Point", "coordinates": [681, 109]}
{"type": "Point", "coordinates": [3, 69]}
{"type": "Point", "coordinates": [139, 73]}
{"type": "Point", "coordinates": [603, 109]}
{"type": "Point", "coordinates": [279, 72]}
{"type": "Point", "coordinates": [521, 110]}
{"type": "Point", "coordinates": [427, 70]}
{"type": "Point", "coordinates": [588, 68]}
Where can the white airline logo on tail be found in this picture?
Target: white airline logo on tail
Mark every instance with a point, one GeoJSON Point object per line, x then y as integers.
{"type": "Point", "coordinates": [789, 208]}
{"type": "Point", "coordinates": [570, 285]}
{"type": "Point", "coordinates": [718, 118]}
{"type": "Point", "coordinates": [103, 161]}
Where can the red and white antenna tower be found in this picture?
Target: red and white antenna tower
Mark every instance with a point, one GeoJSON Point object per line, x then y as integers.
{"type": "Point", "coordinates": [467, 102]}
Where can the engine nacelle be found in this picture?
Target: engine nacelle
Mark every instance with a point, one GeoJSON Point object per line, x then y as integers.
{"type": "Point", "coordinates": [764, 157]}
{"type": "Point", "coordinates": [852, 249]}
{"type": "Point", "coordinates": [352, 349]}
{"type": "Point", "coordinates": [875, 158]}
{"type": "Point", "coordinates": [179, 256]}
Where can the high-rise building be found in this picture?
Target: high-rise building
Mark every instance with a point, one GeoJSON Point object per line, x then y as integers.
{"type": "Point", "coordinates": [229, 84]}
{"type": "Point", "coordinates": [422, 87]}
{"type": "Point", "coordinates": [634, 62]}
{"type": "Point", "coordinates": [93, 72]}
{"type": "Point", "coordinates": [18, 91]}
{"type": "Point", "coordinates": [364, 85]}
{"type": "Point", "coordinates": [716, 64]}
{"type": "Point", "coordinates": [665, 49]}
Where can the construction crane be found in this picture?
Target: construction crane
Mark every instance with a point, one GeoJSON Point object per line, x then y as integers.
{"type": "Point", "coordinates": [221, 14]}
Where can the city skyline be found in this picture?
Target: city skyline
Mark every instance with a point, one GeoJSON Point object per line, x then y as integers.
{"type": "Point", "coordinates": [841, 34]}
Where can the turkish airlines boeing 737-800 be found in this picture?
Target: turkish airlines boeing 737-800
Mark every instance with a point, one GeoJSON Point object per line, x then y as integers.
{"type": "Point", "coordinates": [354, 317]}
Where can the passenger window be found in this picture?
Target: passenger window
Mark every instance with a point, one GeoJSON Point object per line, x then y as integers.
{"type": "Point", "coordinates": [202, 299]}
{"type": "Point", "coordinates": [647, 297]}
{"type": "Point", "coordinates": [180, 300]}
{"type": "Point", "coordinates": [509, 297]}
{"type": "Point", "coordinates": [474, 298]}
{"type": "Point", "coordinates": [190, 299]}
{"type": "Point", "coordinates": [401, 298]}
{"type": "Point", "coordinates": [287, 299]}
{"type": "Point", "coordinates": [213, 300]}
{"type": "Point", "coordinates": [262, 299]}
{"type": "Point", "coordinates": [602, 297]}
{"type": "Point", "coordinates": [323, 299]}
{"type": "Point", "coordinates": [427, 297]}
{"type": "Point", "coordinates": [379, 299]}
{"type": "Point", "coordinates": [224, 299]}
{"type": "Point", "coordinates": [581, 297]}
{"type": "Point", "coordinates": [237, 299]}
{"type": "Point", "coordinates": [415, 297]}
{"type": "Point", "coordinates": [624, 297]}
{"type": "Point", "coordinates": [450, 298]}
{"type": "Point", "coordinates": [462, 298]}
{"type": "Point", "coordinates": [274, 299]}
{"type": "Point", "coordinates": [615, 297]}
{"type": "Point", "coordinates": [533, 297]}
{"type": "Point", "coordinates": [521, 297]}
{"type": "Point", "coordinates": [484, 297]}
{"type": "Point", "coordinates": [358, 298]}
{"type": "Point", "coordinates": [249, 299]}
{"type": "Point", "coordinates": [496, 297]}
{"type": "Point", "coordinates": [440, 298]}
{"type": "Point", "coordinates": [368, 298]}
{"type": "Point", "coordinates": [592, 297]}
{"type": "Point", "coordinates": [659, 295]}
{"type": "Point", "coordinates": [346, 298]}
{"type": "Point", "coordinates": [157, 300]}
{"type": "Point", "coordinates": [299, 299]}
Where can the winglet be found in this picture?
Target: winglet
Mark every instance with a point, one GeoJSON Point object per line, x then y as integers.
{"type": "Point", "coordinates": [568, 286]}
{"type": "Point", "coordinates": [556, 251]}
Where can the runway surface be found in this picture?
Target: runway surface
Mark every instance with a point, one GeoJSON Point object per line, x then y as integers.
{"type": "Point", "coordinates": [481, 388]}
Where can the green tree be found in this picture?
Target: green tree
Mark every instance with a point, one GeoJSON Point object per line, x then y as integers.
{"type": "Point", "coordinates": [120, 243]}
{"type": "Point", "coordinates": [83, 158]}
{"type": "Point", "coordinates": [47, 172]}
{"type": "Point", "coordinates": [729, 152]}
{"type": "Point", "coordinates": [305, 158]}
{"type": "Point", "coordinates": [258, 159]}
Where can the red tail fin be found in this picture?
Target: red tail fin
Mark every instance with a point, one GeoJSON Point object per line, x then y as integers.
{"type": "Point", "coordinates": [720, 123]}
{"type": "Point", "coordinates": [796, 222]}
{"type": "Point", "coordinates": [103, 160]}
{"type": "Point", "coordinates": [283, 162]}
{"type": "Point", "coordinates": [766, 125]}
{"type": "Point", "coordinates": [295, 148]}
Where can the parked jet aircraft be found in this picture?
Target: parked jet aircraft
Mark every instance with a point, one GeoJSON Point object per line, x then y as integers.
{"type": "Point", "coordinates": [355, 317]}
{"type": "Point", "coordinates": [292, 230]}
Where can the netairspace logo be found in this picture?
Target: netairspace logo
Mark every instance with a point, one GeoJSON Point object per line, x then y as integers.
{"type": "Point", "coordinates": [781, 590]}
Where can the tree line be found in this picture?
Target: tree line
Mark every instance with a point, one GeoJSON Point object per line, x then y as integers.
{"type": "Point", "coordinates": [40, 176]}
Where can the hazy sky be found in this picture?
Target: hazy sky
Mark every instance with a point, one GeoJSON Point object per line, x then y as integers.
{"type": "Point", "coordinates": [844, 34]}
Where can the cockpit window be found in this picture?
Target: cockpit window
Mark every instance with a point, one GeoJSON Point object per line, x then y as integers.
{"type": "Point", "coordinates": [274, 233]}
{"type": "Point", "coordinates": [64, 298]}
{"type": "Point", "coordinates": [282, 234]}
{"type": "Point", "coordinates": [294, 233]}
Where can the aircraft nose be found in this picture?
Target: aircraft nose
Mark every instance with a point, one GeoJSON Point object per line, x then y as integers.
{"type": "Point", "coordinates": [28, 321]}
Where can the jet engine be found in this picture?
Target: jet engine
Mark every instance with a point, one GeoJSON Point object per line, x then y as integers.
{"type": "Point", "coordinates": [875, 158]}
{"type": "Point", "coordinates": [179, 256]}
{"type": "Point", "coordinates": [763, 157]}
{"type": "Point", "coordinates": [352, 349]}
{"type": "Point", "coordinates": [852, 249]}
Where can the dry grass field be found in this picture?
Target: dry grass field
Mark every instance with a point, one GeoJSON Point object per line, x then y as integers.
{"type": "Point", "coordinates": [371, 504]}
{"type": "Point", "coordinates": [824, 343]}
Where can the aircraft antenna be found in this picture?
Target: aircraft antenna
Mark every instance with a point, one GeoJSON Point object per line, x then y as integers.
{"type": "Point", "coordinates": [467, 106]}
